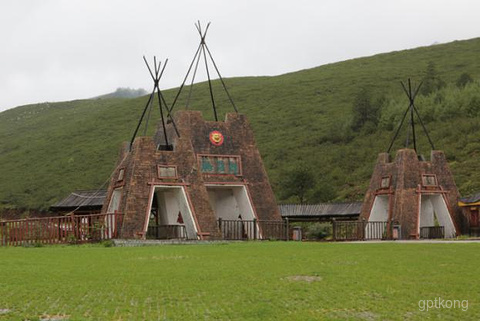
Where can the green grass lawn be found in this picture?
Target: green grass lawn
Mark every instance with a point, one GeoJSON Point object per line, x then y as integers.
{"type": "Point", "coordinates": [239, 281]}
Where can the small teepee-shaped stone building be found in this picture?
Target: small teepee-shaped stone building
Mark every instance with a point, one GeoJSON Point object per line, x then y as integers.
{"type": "Point", "coordinates": [418, 196]}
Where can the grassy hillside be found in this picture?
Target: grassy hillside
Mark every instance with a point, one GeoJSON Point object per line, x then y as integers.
{"type": "Point", "coordinates": [301, 120]}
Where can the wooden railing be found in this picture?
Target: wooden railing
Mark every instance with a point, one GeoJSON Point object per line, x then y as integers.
{"type": "Point", "coordinates": [165, 232]}
{"type": "Point", "coordinates": [359, 230]}
{"type": "Point", "coordinates": [432, 232]}
{"type": "Point", "coordinates": [376, 230]}
{"type": "Point", "coordinates": [61, 229]}
{"type": "Point", "coordinates": [280, 230]}
{"type": "Point", "coordinates": [274, 230]}
{"type": "Point", "coordinates": [98, 227]}
{"type": "Point", "coordinates": [348, 230]}
{"type": "Point", "coordinates": [253, 229]}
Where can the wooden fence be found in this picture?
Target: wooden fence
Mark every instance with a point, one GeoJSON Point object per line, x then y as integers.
{"type": "Point", "coordinates": [166, 232]}
{"type": "Point", "coordinates": [253, 229]}
{"type": "Point", "coordinates": [432, 232]}
{"type": "Point", "coordinates": [98, 227]}
{"type": "Point", "coordinates": [274, 230]}
{"type": "Point", "coordinates": [280, 230]}
{"type": "Point", "coordinates": [359, 230]}
{"type": "Point", "coordinates": [60, 229]}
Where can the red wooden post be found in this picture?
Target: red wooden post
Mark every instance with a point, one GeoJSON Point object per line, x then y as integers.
{"type": "Point", "coordinates": [4, 234]}
{"type": "Point", "coordinates": [26, 231]}
{"type": "Point", "coordinates": [51, 231]}
{"type": "Point", "coordinates": [11, 234]}
{"type": "Point", "coordinates": [64, 229]}
{"type": "Point", "coordinates": [57, 222]}
{"type": "Point", "coordinates": [15, 232]}
{"type": "Point", "coordinates": [19, 232]}
{"type": "Point", "coordinates": [59, 229]}
{"type": "Point", "coordinates": [72, 222]}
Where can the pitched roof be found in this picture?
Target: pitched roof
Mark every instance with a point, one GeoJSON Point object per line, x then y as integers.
{"type": "Point", "coordinates": [320, 210]}
{"type": "Point", "coordinates": [475, 198]}
{"type": "Point", "coordinates": [83, 199]}
{"type": "Point", "coordinates": [95, 198]}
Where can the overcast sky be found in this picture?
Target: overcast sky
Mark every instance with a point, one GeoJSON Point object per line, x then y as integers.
{"type": "Point", "coordinates": [55, 50]}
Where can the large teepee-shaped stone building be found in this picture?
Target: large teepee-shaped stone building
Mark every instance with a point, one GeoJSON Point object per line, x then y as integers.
{"type": "Point", "coordinates": [213, 170]}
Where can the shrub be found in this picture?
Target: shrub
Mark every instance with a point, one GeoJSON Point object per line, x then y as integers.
{"type": "Point", "coordinates": [318, 231]}
{"type": "Point", "coordinates": [72, 240]}
{"type": "Point", "coordinates": [464, 79]}
{"type": "Point", "coordinates": [107, 243]}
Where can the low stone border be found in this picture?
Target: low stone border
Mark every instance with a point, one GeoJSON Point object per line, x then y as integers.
{"type": "Point", "coordinates": [453, 241]}
{"type": "Point", "coordinates": [123, 242]}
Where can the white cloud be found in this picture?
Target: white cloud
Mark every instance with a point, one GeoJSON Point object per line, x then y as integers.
{"type": "Point", "coordinates": [69, 49]}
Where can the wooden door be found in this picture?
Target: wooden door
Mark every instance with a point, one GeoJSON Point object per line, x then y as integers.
{"type": "Point", "coordinates": [474, 218]}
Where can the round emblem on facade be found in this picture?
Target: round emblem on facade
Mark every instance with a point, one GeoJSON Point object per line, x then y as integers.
{"type": "Point", "coordinates": [216, 138]}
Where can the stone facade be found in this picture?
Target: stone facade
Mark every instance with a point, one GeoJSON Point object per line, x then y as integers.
{"type": "Point", "coordinates": [404, 181]}
{"type": "Point", "coordinates": [197, 159]}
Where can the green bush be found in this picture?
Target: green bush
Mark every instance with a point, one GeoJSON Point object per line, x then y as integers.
{"type": "Point", "coordinates": [107, 243]}
{"type": "Point", "coordinates": [318, 231]}
{"type": "Point", "coordinates": [72, 240]}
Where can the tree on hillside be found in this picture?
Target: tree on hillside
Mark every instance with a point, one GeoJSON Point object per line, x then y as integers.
{"type": "Point", "coordinates": [431, 81]}
{"type": "Point", "coordinates": [129, 92]}
{"type": "Point", "coordinates": [323, 192]}
{"type": "Point", "coordinates": [364, 111]}
{"type": "Point", "coordinates": [464, 79]}
{"type": "Point", "coordinates": [298, 183]}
